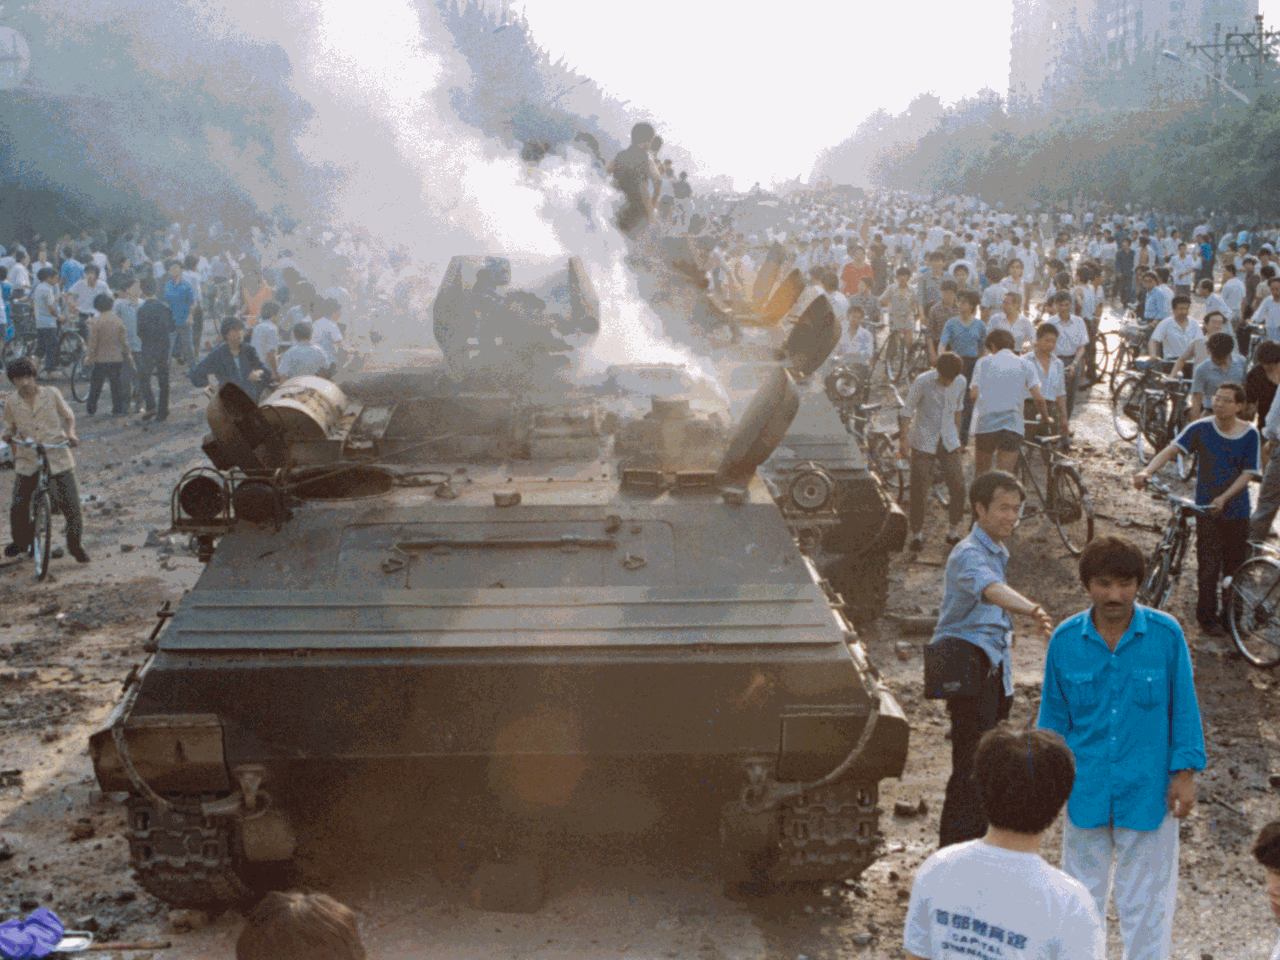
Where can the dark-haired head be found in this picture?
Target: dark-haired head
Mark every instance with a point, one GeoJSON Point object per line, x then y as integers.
{"type": "Point", "coordinates": [1266, 848]}
{"type": "Point", "coordinates": [998, 340]}
{"type": "Point", "coordinates": [300, 926]}
{"type": "Point", "coordinates": [1024, 777]}
{"type": "Point", "coordinates": [949, 365]}
{"type": "Point", "coordinates": [1113, 557]}
{"type": "Point", "coordinates": [1221, 346]}
{"type": "Point", "coordinates": [983, 490]}
{"type": "Point", "coordinates": [20, 369]}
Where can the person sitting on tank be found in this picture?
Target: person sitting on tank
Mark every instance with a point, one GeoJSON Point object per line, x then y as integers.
{"type": "Point", "coordinates": [303, 359]}
{"type": "Point", "coordinates": [233, 361]}
{"type": "Point", "coordinates": [300, 926]}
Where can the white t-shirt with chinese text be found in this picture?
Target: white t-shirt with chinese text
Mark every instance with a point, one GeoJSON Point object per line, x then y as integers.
{"type": "Point", "coordinates": [978, 900]}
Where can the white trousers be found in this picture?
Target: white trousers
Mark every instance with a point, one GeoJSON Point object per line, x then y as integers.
{"type": "Point", "coordinates": [1145, 876]}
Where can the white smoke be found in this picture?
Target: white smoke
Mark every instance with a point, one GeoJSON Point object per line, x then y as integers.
{"type": "Point", "coordinates": [431, 187]}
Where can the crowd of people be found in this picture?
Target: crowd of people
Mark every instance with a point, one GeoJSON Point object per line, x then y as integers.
{"type": "Point", "coordinates": [142, 305]}
{"type": "Point", "coordinates": [1010, 308]}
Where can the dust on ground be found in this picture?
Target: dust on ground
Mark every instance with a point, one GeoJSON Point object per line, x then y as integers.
{"type": "Point", "coordinates": [69, 643]}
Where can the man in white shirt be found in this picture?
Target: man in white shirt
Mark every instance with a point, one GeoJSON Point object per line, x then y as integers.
{"type": "Point", "coordinates": [1232, 292]}
{"type": "Point", "coordinates": [1173, 335]}
{"type": "Point", "coordinates": [1000, 383]}
{"type": "Point", "coordinates": [929, 432]}
{"type": "Point", "coordinates": [1073, 337]}
{"type": "Point", "coordinates": [84, 291]}
{"type": "Point", "coordinates": [19, 275]}
{"type": "Point", "coordinates": [1184, 266]}
{"type": "Point", "coordinates": [1268, 312]}
{"type": "Point", "coordinates": [997, 897]}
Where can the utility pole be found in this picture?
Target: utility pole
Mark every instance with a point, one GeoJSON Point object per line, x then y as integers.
{"type": "Point", "coordinates": [1256, 47]}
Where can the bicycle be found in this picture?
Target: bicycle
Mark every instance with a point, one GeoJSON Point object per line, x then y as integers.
{"type": "Point", "coordinates": [1149, 406]}
{"type": "Point", "coordinates": [1165, 566]}
{"type": "Point", "coordinates": [1165, 416]}
{"type": "Point", "coordinates": [1251, 600]}
{"type": "Point", "coordinates": [1065, 499]}
{"type": "Point", "coordinates": [906, 355]}
{"type": "Point", "coordinates": [878, 445]}
{"type": "Point", "coordinates": [42, 506]}
{"type": "Point", "coordinates": [1120, 348]}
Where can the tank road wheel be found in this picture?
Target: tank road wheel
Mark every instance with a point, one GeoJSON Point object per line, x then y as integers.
{"type": "Point", "coordinates": [182, 857]}
{"type": "Point", "coordinates": [829, 834]}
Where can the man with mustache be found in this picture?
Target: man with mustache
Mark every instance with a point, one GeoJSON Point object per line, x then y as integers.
{"type": "Point", "coordinates": [1118, 688]}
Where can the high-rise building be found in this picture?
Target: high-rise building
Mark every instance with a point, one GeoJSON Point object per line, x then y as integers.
{"type": "Point", "coordinates": [1053, 41]}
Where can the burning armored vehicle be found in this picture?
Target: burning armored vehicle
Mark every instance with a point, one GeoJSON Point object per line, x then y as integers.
{"type": "Point", "coordinates": [432, 606]}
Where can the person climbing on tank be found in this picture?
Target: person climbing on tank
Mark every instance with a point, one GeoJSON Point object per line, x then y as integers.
{"type": "Point", "coordinates": [233, 361]}
{"type": "Point", "coordinates": [636, 175]}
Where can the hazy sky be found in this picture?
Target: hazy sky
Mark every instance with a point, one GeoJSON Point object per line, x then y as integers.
{"type": "Point", "coordinates": [757, 89]}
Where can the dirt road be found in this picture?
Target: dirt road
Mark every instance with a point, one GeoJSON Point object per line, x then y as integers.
{"type": "Point", "coordinates": [68, 643]}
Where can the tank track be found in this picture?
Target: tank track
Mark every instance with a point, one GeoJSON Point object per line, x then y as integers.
{"type": "Point", "coordinates": [828, 834]}
{"type": "Point", "coordinates": [862, 582]}
{"type": "Point", "coordinates": [183, 857]}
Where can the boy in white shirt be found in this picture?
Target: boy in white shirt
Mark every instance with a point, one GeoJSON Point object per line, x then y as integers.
{"type": "Point", "coordinates": [857, 343]}
{"type": "Point", "coordinates": [1010, 318]}
{"type": "Point", "coordinates": [997, 896]}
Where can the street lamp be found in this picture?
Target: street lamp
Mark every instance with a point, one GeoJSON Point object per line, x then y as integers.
{"type": "Point", "coordinates": [1195, 66]}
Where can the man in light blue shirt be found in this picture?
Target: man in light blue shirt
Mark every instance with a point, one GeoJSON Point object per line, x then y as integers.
{"type": "Point", "coordinates": [977, 607]}
{"type": "Point", "coordinates": [1118, 688]}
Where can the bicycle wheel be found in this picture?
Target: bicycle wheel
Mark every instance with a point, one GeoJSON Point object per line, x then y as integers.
{"type": "Point", "coordinates": [1155, 420]}
{"type": "Point", "coordinates": [80, 375]}
{"type": "Point", "coordinates": [882, 458]}
{"type": "Point", "coordinates": [1152, 426]}
{"type": "Point", "coordinates": [1119, 360]}
{"type": "Point", "coordinates": [917, 360]}
{"type": "Point", "coordinates": [70, 349]}
{"type": "Point", "coordinates": [895, 355]}
{"type": "Point", "coordinates": [1251, 605]}
{"type": "Point", "coordinates": [1071, 508]}
{"type": "Point", "coordinates": [1124, 407]}
{"type": "Point", "coordinates": [1159, 583]}
{"type": "Point", "coordinates": [42, 525]}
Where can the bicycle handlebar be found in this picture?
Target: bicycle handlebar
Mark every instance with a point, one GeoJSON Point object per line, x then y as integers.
{"type": "Point", "coordinates": [37, 445]}
{"type": "Point", "coordinates": [1164, 493]}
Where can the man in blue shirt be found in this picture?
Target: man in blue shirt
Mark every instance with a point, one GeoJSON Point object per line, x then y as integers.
{"type": "Point", "coordinates": [180, 296]}
{"type": "Point", "coordinates": [1228, 451]}
{"type": "Point", "coordinates": [977, 607]}
{"type": "Point", "coordinates": [72, 269]}
{"type": "Point", "coordinates": [1118, 688]}
{"type": "Point", "coordinates": [965, 336]}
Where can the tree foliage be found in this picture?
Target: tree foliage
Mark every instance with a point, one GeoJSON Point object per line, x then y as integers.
{"type": "Point", "coordinates": [1148, 133]}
